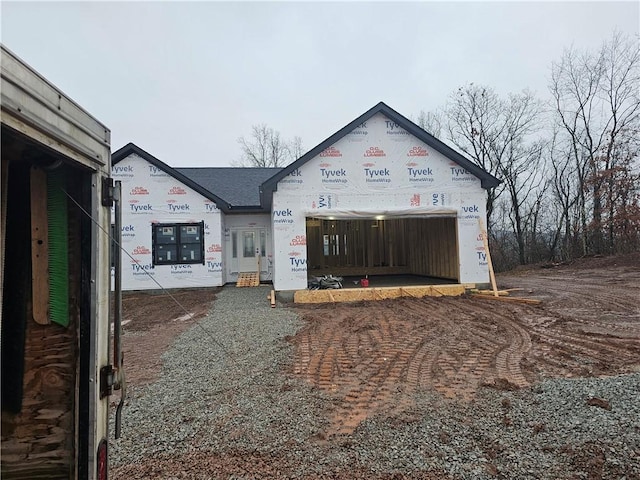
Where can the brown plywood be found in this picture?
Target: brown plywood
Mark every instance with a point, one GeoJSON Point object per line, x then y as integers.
{"type": "Point", "coordinates": [381, 293]}
{"type": "Point", "coordinates": [39, 246]}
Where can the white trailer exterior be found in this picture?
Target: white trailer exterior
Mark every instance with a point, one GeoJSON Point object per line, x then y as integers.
{"type": "Point", "coordinates": [54, 409]}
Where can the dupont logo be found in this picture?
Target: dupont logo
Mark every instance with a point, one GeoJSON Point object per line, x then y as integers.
{"type": "Point", "coordinates": [210, 207]}
{"type": "Point", "coordinates": [374, 152]}
{"type": "Point", "coordinates": [417, 151]}
{"type": "Point", "coordinates": [141, 250]}
{"type": "Point", "coordinates": [415, 200]}
{"type": "Point", "coordinates": [214, 248]}
{"type": "Point", "coordinates": [294, 254]}
{"type": "Point", "coordinates": [177, 191]}
{"type": "Point", "coordinates": [139, 191]}
{"type": "Point", "coordinates": [298, 240]}
{"type": "Point", "coordinates": [122, 171]}
{"type": "Point", "coordinates": [394, 129]}
{"type": "Point", "coordinates": [331, 152]}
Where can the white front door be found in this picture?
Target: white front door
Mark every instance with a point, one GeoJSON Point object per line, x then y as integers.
{"type": "Point", "coordinates": [248, 246]}
{"type": "Point", "coordinates": [248, 251]}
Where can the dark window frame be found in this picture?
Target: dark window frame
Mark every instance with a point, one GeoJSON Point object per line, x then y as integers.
{"type": "Point", "coordinates": [181, 241]}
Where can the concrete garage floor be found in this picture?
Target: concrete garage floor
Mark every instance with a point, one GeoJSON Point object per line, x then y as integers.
{"type": "Point", "coordinates": [394, 281]}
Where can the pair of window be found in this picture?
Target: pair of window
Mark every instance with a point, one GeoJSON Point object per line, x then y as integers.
{"type": "Point", "coordinates": [178, 243]}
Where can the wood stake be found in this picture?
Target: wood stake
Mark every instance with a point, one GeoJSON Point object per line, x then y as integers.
{"type": "Point", "coordinates": [485, 241]}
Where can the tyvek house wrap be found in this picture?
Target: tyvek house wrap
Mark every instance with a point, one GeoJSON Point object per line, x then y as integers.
{"type": "Point", "coordinates": [377, 169]}
{"type": "Point", "coordinates": [150, 195]}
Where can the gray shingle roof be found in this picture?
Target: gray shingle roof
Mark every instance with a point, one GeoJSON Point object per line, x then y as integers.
{"type": "Point", "coordinates": [239, 187]}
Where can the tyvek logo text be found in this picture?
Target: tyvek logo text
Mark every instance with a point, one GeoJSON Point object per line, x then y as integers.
{"type": "Point", "coordinates": [459, 174]}
{"type": "Point", "coordinates": [331, 175]}
{"type": "Point", "coordinates": [394, 129]}
{"type": "Point", "coordinates": [282, 216]}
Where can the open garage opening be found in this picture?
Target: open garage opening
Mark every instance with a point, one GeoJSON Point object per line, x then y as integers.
{"type": "Point", "coordinates": [388, 251]}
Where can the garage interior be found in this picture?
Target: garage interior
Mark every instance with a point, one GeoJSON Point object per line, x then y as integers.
{"type": "Point", "coordinates": [395, 251]}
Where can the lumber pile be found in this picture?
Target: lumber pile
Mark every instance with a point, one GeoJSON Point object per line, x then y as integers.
{"type": "Point", "coordinates": [378, 293]}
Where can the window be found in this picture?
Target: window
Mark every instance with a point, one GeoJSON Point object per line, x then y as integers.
{"type": "Point", "coordinates": [234, 244]}
{"type": "Point", "coordinates": [176, 243]}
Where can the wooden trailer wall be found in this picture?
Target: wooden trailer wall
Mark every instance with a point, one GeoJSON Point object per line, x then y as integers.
{"type": "Point", "coordinates": [39, 362]}
{"type": "Point", "coordinates": [419, 246]}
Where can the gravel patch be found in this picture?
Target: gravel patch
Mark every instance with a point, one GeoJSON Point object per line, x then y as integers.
{"type": "Point", "coordinates": [225, 388]}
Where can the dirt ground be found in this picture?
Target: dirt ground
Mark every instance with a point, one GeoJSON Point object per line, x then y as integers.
{"type": "Point", "coordinates": [588, 324]}
{"type": "Point", "coordinates": [372, 356]}
{"type": "Point", "coordinates": [151, 320]}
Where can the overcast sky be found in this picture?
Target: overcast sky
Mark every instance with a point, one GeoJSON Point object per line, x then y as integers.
{"type": "Point", "coordinates": [184, 80]}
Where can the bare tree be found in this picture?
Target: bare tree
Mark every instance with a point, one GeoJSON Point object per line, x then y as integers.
{"type": "Point", "coordinates": [499, 135]}
{"type": "Point", "coordinates": [266, 148]}
{"type": "Point", "coordinates": [597, 102]}
{"type": "Point", "coordinates": [431, 122]}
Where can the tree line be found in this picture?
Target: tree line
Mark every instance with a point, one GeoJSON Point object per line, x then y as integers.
{"type": "Point", "coordinates": [569, 164]}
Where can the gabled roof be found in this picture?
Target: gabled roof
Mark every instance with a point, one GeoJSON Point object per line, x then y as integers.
{"type": "Point", "coordinates": [237, 186]}
{"type": "Point", "coordinates": [130, 148]}
{"type": "Point", "coordinates": [486, 179]}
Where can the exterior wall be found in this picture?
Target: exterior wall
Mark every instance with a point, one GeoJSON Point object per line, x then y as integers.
{"type": "Point", "coordinates": [241, 222]}
{"type": "Point", "coordinates": [378, 168]}
{"type": "Point", "coordinates": [149, 195]}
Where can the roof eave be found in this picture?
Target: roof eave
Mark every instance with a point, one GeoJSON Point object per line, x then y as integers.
{"type": "Point", "coordinates": [130, 148]}
{"type": "Point", "coordinates": [271, 185]}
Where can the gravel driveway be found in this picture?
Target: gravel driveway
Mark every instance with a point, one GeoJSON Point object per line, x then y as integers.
{"type": "Point", "coordinates": [226, 406]}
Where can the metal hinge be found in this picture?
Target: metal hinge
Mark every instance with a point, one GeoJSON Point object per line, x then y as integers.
{"type": "Point", "coordinates": [107, 379]}
{"type": "Point", "coordinates": [107, 192]}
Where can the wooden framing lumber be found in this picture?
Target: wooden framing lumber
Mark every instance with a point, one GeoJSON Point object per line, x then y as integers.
{"type": "Point", "coordinates": [485, 241]}
{"type": "Point", "coordinates": [501, 293]}
{"type": "Point", "coordinates": [39, 247]}
{"type": "Point", "coordinates": [378, 293]}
